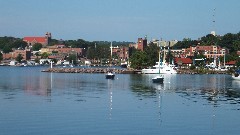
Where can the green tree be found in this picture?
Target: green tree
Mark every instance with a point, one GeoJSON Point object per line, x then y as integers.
{"type": "Point", "coordinates": [37, 60]}
{"type": "Point", "coordinates": [200, 63]}
{"type": "Point", "coordinates": [72, 59]}
{"type": "Point", "coordinates": [209, 39]}
{"type": "Point", "coordinates": [1, 56]}
{"type": "Point", "coordinates": [152, 52]}
{"type": "Point", "coordinates": [6, 49]}
{"type": "Point", "coordinates": [19, 44]}
{"type": "Point", "coordinates": [237, 64]}
{"type": "Point", "coordinates": [19, 58]}
{"type": "Point", "coordinates": [37, 47]}
{"type": "Point", "coordinates": [54, 60]}
{"type": "Point", "coordinates": [44, 55]}
{"type": "Point", "coordinates": [139, 60]}
{"type": "Point", "coordinates": [91, 53]}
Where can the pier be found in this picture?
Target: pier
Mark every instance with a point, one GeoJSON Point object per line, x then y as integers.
{"type": "Point", "coordinates": [90, 70]}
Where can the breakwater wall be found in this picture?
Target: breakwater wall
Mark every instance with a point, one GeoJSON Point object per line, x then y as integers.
{"type": "Point", "coordinates": [90, 70]}
{"type": "Point", "coordinates": [125, 71]}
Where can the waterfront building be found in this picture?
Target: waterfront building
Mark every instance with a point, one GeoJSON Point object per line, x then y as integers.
{"type": "Point", "coordinates": [211, 51]}
{"type": "Point", "coordinates": [44, 40]}
{"type": "Point", "coordinates": [183, 62]}
{"type": "Point", "coordinates": [26, 54]}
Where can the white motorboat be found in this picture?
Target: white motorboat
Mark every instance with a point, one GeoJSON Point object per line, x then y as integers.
{"type": "Point", "coordinates": [163, 68]}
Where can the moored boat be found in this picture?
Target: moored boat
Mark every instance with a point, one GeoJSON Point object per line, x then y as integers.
{"type": "Point", "coordinates": [158, 79]}
{"type": "Point", "coordinates": [110, 75]}
{"type": "Point", "coordinates": [163, 68]}
{"type": "Point", "coordinates": [236, 75]}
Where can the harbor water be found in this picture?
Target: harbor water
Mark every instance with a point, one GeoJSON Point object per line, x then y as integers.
{"type": "Point", "coordinates": [36, 103]}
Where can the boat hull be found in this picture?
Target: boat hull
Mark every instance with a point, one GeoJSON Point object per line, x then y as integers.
{"type": "Point", "coordinates": [156, 71]}
{"type": "Point", "coordinates": [111, 76]}
{"type": "Point", "coordinates": [150, 71]}
{"type": "Point", "coordinates": [157, 79]}
{"type": "Point", "coordinates": [236, 77]}
{"type": "Point", "coordinates": [163, 68]}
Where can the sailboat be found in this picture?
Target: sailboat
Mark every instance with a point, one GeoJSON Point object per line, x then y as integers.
{"type": "Point", "coordinates": [110, 75]}
{"type": "Point", "coordinates": [159, 78]}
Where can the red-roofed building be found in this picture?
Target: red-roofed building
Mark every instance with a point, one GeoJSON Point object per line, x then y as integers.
{"type": "Point", "coordinates": [42, 40]}
{"type": "Point", "coordinates": [183, 62]}
{"type": "Point", "coordinates": [230, 63]}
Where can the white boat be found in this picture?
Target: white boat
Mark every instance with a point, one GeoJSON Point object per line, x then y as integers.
{"type": "Point", "coordinates": [163, 68]}
{"type": "Point", "coordinates": [236, 75]}
{"type": "Point", "coordinates": [110, 75]}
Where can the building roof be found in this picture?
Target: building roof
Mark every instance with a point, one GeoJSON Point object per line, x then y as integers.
{"type": "Point", "coordinates": [184, 60]}
{"type": "Point", "coordinates": [36, 39]}
{"type": "Point", "coordinates": [230, 63]}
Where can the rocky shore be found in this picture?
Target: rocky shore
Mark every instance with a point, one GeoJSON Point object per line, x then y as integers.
{"type": "Point", "coordinates": [126, 71]}
{"type": "Point", "coordinates": [89, 70]}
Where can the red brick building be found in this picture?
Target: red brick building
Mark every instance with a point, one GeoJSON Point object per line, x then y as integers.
{"type": "Point", "coordinates": [42, 40]}
{"type": "Point", "coordinates": [142, 43]}
{"type": "Point", "coordinates": [26, 54]}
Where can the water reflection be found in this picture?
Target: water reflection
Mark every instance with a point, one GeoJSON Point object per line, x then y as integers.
{"type": "Point", "coordinates": [215, 89]}
{"type": "Point", "coordinates": [41, 85]}
{"type": "Point", "coordinates": [160, 92]}
{"type": "Point", "coordinates": [110, 89]}
{"type": "Point", "coordinates": [142, 85]}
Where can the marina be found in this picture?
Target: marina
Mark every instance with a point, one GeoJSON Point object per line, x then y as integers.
{"type": "Point", "coordinates": [119, 67]}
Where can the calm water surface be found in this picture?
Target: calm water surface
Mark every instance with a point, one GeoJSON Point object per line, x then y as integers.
{"type": "Point", "coordinates": [37, 103]}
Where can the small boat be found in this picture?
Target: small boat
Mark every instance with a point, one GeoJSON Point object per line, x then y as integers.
{"type": "Point", "coordinates": [158, 79]}
{"type": "Point", "coordinates": [123, 65]}
{"type": "Point", "coordinates": [110, 75]}
{"type": "Point", "coordinates": [236, 75]}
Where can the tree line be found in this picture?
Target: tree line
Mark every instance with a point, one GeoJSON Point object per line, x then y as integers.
{"type": "Point", "coordinates": [93, 49]}
{"type": "Point", "coordinates": [143, 59]}
{"type": "Point", "coordinates": [101, 49]}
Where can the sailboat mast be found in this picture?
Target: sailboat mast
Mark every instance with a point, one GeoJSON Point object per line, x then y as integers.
{"type": "Point", "coordinates": [164, 57]}
{"type": "Point", "coordinates": [111, 55]}
{"type": "Point", "coordinates": [111, 50]}
{"type": "Point", "coordinates": [159, 59]}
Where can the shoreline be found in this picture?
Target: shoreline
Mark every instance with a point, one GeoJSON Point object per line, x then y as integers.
{"type": "Point", "coordinates": [126, 71]}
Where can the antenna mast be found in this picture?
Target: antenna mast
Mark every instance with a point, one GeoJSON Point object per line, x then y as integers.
{"type": "Point", "coordinates": [214, 31]}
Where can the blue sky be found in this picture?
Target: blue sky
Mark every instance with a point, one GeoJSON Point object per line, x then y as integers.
{"type": "Point", "coordinates": [118, 20]}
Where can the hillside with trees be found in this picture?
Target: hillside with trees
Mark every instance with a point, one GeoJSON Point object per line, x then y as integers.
{"type": "Point", "coordinates": [229, 41]}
